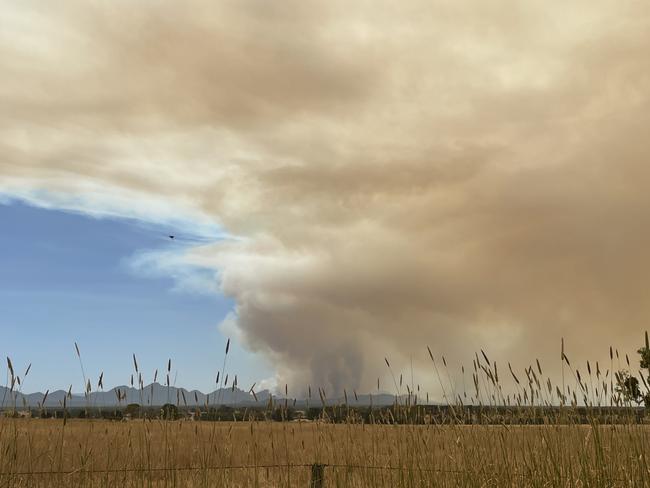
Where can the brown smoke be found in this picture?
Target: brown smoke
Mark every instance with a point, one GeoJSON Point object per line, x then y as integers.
{"type": "Point", "coordinates": [453, 173]}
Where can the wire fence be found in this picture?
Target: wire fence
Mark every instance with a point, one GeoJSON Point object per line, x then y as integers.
{"type": "Point", "coordinates": [317, 470]}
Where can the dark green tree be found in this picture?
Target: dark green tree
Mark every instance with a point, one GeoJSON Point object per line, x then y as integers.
{"type": "Point", "coordinates": [627, 386]}
{"type": "Point", "coordinates": [169, 411]}
{"type": "Point", "coordinates": [133, 410]}
{"type": "Point", "coordinates": [644, 352]}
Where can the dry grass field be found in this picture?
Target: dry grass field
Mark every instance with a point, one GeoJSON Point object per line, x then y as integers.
{"type": "Point", "coordinates": [590, 433]}
{"type": "Point", "coordinates": [143, 453]}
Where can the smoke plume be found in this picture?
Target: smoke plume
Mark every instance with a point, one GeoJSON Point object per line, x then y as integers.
{"type": "Point", "coordinates": [460, 174]}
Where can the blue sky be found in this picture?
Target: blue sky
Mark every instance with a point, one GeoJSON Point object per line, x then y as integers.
{"type": "Point", "coordinates": [67, 277]}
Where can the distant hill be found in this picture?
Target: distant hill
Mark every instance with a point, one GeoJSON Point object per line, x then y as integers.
{"type": "Point", "coordinates": [156, 394]}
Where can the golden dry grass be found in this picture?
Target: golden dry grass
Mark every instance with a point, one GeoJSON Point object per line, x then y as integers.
{"type": "Point", "coordinates": [589, 435]}
{"type": "Point", "coordinates": [157, 453]}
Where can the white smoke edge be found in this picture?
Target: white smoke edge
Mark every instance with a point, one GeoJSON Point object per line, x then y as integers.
{"type": "Point", "coordinates": [102, 202]}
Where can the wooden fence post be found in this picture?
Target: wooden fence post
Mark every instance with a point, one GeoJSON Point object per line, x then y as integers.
{"type": "Point", "coordinates": [317, 476]}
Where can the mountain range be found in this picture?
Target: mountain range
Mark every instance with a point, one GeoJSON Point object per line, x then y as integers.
{"type": "Point", "coordinates": [156, 394]}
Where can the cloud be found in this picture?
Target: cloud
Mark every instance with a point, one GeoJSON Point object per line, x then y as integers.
{"type": "Point", "coordinates": [174, 264]}
{"type": "Point", "coordinates": [459, 174]}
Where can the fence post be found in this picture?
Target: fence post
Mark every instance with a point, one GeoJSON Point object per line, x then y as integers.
{"type": "Point", "coordinates": [317, 476]}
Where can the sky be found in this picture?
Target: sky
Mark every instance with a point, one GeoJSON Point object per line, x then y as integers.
{"type": "Point", "coordinates": [68, 278]}
{"type": "Point", "coordinates": [359, 179]}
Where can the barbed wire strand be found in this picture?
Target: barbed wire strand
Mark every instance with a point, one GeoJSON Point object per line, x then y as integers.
{"type": "Point", "coordinates": [273, 466]}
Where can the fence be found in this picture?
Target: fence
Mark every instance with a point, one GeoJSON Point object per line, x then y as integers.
{"type": "Point", "coordinates": [317, 477]}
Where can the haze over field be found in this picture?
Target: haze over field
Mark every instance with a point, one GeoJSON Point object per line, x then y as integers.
{"type": "Point", "coordinates": [382, 175]}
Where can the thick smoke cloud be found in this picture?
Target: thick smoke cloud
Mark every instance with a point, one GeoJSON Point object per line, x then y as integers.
{"type": "Point", "coordinates": [456, 174]}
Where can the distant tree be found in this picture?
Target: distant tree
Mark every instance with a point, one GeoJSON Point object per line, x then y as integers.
{"type": "Point", "coordinates": [627, 387]}
{"type": "Point", "coordinates": [282, 414]}
{"type": "Point", "coordinates": [169, 411]}
{"type": "Point", "coordinates": [132, 409]}
{"type": "Point", "coordinates": [644, 352]}
{"type": "Point", "coordinates": [114, 414]}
